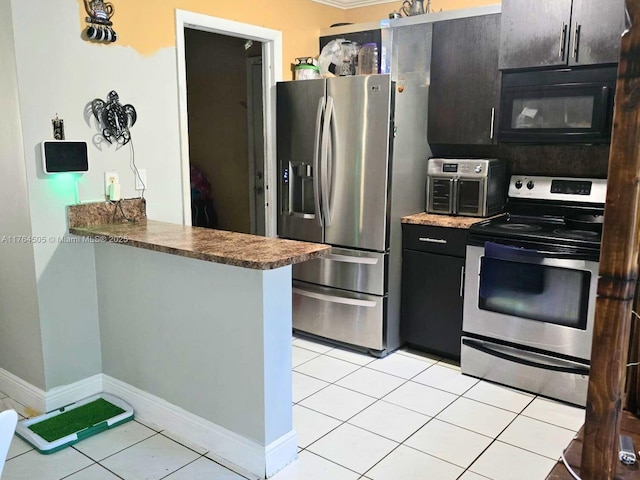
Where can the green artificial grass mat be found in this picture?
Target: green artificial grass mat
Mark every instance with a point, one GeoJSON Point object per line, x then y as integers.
{"type": "Point", "coordinates": [75, 420]}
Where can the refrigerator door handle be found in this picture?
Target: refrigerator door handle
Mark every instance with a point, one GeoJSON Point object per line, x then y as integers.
{"type": "Point", "coordinates": [326, 159]}
{"type": "Point", "coordinates": [316, 159]}
{"type": "Point", "coordinates": [348, 259]}
{"type": "Point", "coordinates": [335, 299]}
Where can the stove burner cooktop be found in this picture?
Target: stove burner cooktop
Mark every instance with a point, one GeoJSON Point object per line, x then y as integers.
{"type": "Point", "coordinates": [520, 227]}
{"type": "Point", "coordinates": [578, 234]}
{"type": "Point", "coordinates": [549, 230]}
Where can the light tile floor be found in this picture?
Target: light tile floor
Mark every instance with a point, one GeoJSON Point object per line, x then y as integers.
{"type": "Point", "coordinates": [408, 416]}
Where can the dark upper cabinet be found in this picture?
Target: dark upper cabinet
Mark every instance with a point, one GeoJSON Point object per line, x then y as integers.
{"type": "Point", "coordinates": [545, 33]}
{"type": "Point", "coordinates": [597, 28]}
{"type": "Point", "coordinates": [463, 95]}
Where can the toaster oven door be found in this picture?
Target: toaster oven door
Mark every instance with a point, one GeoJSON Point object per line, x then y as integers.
{"type": "Point", "coordinates": [471, 195]}
{"type": "Point", "coordinates": [440, 195]}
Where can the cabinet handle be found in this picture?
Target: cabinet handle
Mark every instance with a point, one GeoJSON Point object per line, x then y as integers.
{"type": "Point", "coordinates": [493, 118]}
{"type": "Point", "coordinates": [576, 37]}
{"type": "Point", "coordinates": [563, 39]}
{"type": "Point", "coordinates": [432, 240]}
{"type": "Point", "coordinates": [461, 281]}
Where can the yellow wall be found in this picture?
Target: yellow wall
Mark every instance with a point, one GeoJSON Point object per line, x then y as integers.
{"type": "Point", "coordinates": [378, 12]}
{"type": "Point", "coordinates": [149, 25]}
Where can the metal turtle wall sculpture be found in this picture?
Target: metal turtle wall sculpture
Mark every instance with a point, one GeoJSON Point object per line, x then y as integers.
{"type": "Point", "coordinates": [115, 119]}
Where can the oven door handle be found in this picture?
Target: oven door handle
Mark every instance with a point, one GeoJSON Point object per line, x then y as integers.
{"type": "Point", "coordinates": [567, 255]}
{"type": "Point", "coordinates": [515, 255]}
{"type": "Point", "coordinates": [523, 361]}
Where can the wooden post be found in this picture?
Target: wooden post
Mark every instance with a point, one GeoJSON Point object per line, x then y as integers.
{"type": "Point", "coordinates": [632, 385]}
{"type": "Point", "coordinates": [618, 267]}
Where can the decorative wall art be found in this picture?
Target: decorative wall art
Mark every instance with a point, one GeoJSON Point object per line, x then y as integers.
{"type": "Point", "coordinates": [58, 128]}
{"type": "Point", "coordinates": [99, 20]}
{"type": "Point", "coordinates": [114, 118]}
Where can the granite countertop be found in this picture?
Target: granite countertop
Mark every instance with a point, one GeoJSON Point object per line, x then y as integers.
{"type": "Point", "coordinates": [219, 246]}
{"type": "Point", "coordinates": [438, 220]}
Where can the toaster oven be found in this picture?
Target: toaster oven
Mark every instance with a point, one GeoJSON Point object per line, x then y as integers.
{"type": "Point", "coordinates": [469, 187]}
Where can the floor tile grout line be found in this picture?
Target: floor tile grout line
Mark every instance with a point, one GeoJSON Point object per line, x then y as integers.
{"type": "Point", "coordinates": [119, 451]}
{"type": "Point", "coordinates": [91, 465]}
{"type": "Point", "coordinates": [23, 453]}
{"type": "Point", "coordinates": [496, 406]}
{"type": "Point", "coordinates": [374, 465]}
{"type": "Point", "coordinates": [187, 464]}
{"type": "Point", "coordinates": [527, 450]}
{"type": "Point", "coordinates": [439, 458]}
{"type": "Point", "coordinates": [392, 439]}
{"type": "Point", "coordinates": [182, 444]}
{"type": "Point", "coordinates": [495, 439]}
{"type": "Point", "coordinates": [551, 423]}
{"type": "Point", "coordinates": [333, 461]}
{"type": "Point", "coordinates": [443, 390]}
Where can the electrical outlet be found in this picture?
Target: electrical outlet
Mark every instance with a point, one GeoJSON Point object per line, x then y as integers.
{"type": "Point", "coordinates": [109, 178]}
{"type": "Point", "coordinates": [141, 179]}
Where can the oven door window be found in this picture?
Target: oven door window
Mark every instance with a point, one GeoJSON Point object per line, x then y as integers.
{"type": "Point", "coordinates": [469, 196]}
{"type": "Point", "coordinates": [441, 195]}
{"type": "Point", "coordinates": [555, 113]}
{"type": "Point", "coordinates": [535, 291]}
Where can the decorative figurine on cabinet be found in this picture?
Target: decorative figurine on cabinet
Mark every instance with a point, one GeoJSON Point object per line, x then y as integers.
{"type": "Point", "coordinates": [99, 21]}
{"type": "Point", "coordinates": [114, 118]}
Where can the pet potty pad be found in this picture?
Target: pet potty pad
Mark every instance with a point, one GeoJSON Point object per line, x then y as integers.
{"type": "Point", "coordinates": [61, 428]}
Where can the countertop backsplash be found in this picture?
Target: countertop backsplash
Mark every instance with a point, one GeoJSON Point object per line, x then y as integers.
{"type": "Point", "coordinates": [101, 213]}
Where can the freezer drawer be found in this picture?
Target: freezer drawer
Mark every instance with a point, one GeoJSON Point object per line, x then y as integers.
{"type": "Point", "coordinates": [534, 372]}
{"type": "Point", "coordinates": [348, 317]}
{"type": "Point", "coordinates": [346, 269]}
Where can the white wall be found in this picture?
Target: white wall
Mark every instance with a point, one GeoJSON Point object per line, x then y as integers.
{"type": "Point", "coordinates": [60, 73]}
{"type": "Point", "coordinates": [213, 339]}
{"type": "Point", "coordinates": [20, 339]}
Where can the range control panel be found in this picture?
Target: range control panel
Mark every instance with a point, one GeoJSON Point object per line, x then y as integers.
{"type": "Point", "coordinates": [589, 190]}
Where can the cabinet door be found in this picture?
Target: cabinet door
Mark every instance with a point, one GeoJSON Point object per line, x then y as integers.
{"type": "Point", "coordinates": [534, 33]}
{"type": "Point", "coordinates": [596, 30]}
{"type": "Point", "coordinates": [464, 81]}
{"type": "Point", "coordinates": [431, 316]}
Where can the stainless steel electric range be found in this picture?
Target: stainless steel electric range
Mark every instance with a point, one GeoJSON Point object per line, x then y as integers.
{"type": "Point", "coordinates": [530, 287]}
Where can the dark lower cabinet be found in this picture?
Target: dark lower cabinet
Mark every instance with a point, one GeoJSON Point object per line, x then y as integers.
{"type": "Point", "coordinates": [431, 315]}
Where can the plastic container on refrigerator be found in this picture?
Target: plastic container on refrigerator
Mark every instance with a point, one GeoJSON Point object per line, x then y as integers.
{"type": "Point", "coordinates": [368, 59]}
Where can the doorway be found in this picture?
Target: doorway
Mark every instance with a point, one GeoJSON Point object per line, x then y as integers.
{"type": "Point", "coordinates": [229, 138]}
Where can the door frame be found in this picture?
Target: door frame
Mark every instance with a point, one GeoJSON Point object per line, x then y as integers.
{"type": "Point", "coordinates": [256, 220]}
{"type": "Point", "coordinates": [271, 73]}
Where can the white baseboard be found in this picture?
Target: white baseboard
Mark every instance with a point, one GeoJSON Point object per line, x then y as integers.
{"type": "Point", "coordinates": [66, 394]}
{"type": "Point", "coordinates": [22, 391]}
{"type": "Point", "coordinates": [41, 401]}
{"type": "Point", "coordinates": [281, 453]}
{"type": "Point", "coordinates": [234, 451]}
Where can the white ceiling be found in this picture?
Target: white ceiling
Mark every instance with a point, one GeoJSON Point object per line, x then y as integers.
{"type": "Point", "coordinates": [353, 3]}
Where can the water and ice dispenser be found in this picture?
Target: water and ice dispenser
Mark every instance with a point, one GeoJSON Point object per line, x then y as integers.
{"type": "Point", "coordinates": [297, 195]}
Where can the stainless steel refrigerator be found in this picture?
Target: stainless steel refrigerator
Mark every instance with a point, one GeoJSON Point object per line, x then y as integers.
{"type": "Point", "coordinates": [352, 155]}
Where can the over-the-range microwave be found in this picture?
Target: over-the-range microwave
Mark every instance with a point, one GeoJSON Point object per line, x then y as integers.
{"type": "Point", "coordinates": [567, 105]}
